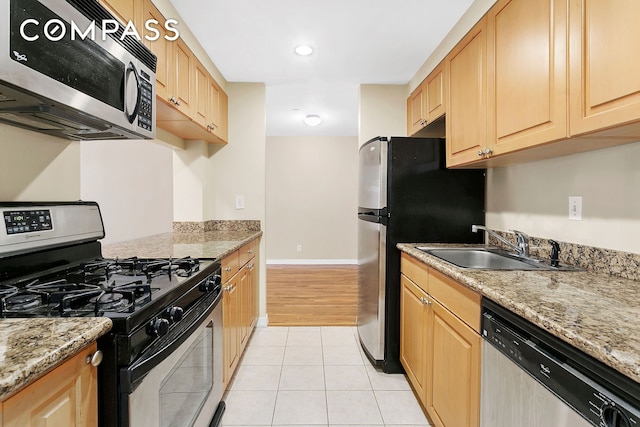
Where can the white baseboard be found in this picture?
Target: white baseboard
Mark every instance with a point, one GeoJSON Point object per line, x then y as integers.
{"type": "Point", "coordinates": [312, 262]}
{"type": "Point", "coordinates": [263, 322]}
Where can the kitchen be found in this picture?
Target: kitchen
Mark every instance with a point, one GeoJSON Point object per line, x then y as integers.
{"type": "Point", "coordinates": [529, 196]}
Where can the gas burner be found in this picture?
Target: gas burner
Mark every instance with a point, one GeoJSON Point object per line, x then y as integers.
{"type": "Point", "coordinates": [111, 301]}
{"type": "Point", "coordinates": [154, 267]}
{"type": "Point", "coordinates": [24, 301]}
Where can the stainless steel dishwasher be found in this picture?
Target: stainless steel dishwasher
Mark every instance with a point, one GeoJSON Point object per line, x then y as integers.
{"type": "Point", "coordinates": [531, 378]}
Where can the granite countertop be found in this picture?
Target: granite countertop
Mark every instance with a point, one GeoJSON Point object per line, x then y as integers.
{"type": "Point", "coordinates": [209, 244]}
{"type": "Point", "coordinates": [595, 312]}
{"type": "Point", "coordinates": [31, 347]}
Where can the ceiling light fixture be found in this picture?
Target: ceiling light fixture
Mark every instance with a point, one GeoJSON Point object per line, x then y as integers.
{"type": "Point", "coordinates": [304, 50]}
{"type": "Point", "coordinates": [312, 120]}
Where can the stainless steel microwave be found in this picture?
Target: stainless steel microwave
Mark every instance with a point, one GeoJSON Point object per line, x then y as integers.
{"type": "Point", "coordinates": [68, 68]}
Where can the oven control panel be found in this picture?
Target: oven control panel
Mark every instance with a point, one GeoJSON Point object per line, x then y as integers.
{"type": "Point", "coordinates": [27, 221]}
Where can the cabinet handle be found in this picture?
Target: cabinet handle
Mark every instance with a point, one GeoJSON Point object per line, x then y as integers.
{"type": "Point", "coordinates": [227, 269]}
{"type": "Point", "coordinates": [425, 301]}
{"type": "Point", "coordinates": [488, 152]}
{"type": "Point", "coordinates": [94, 359]}
{"type": "Point", "coordinates": [249, 251]}
{"type": "Point", "coordinates": [480, 153]}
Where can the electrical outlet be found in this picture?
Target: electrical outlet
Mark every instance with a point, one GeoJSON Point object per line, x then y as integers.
{"type": "Point", "coordinates": [239, 202]}
{"type": "Point", "coordinates": [575, 208]}
{"type": "Point", "coordinates": [299, 247]}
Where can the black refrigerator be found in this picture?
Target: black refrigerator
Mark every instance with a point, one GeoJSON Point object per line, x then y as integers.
{"type": "Point", "coordinates": [405, 195]}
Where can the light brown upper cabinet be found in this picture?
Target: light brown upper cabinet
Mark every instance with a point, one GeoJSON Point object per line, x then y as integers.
{"type": "Point", "coordinates": [527, 74]}
{"type": "Point", "coordinates": [436, 100]}
{"type": "Point", "coordinates": [536, 79]}
{"type": "Point", "coordinates": [604, 63]}
{"type": "Point", "coordinates": [201, 111]}
{"type": "Point", "coordinates": [416, 109]}
{"type": "Point", "coordinates": [427, 102]}
{"type": "Point", "coordinates": [162, 48]}
{"type": "Point", "coordinates": [466, 121]}
{"type": "Point", "coordinates": [187, 106]}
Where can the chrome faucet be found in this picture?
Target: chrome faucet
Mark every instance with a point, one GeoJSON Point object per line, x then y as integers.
{"type": "Point", "coordinates": [522, 248]}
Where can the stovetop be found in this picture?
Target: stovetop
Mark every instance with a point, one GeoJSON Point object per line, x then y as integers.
{"type": "Point", "coordinates": [98, 287]}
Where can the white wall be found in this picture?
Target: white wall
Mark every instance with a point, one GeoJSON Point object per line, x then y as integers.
{"type": "Point", "coordinates": [132, 183]}
{"type": "Point", "coordinates": [533, 197]}
{"type": "Point", "coordinates": [239, 167]}
{"type": "Point", "coordinates": [190, 166]}
{"type": "Point", "coordinates": [37, 167]}
{"type": "Point", "coordinates": [382, 111]}
{"type": "Point", "coordinates": [312, 199]}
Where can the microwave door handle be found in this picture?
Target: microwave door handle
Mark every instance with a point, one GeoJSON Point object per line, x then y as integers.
{"type": "Point", "coordinates": [131, 70]}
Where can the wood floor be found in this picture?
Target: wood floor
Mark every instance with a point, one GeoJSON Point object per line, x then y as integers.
{"type": "Point", "coordinates": [312, 295]}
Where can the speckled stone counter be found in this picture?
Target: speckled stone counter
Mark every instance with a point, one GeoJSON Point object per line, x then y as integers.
{"type": "Point", "coordinates": [209, 244]}
{"type": "Point", "coordinates": [31, 347]}
{"type": "Point", "coordinates": [597, 313]}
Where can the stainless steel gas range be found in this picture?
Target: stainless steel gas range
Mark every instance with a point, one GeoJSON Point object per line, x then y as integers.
{"type": "Point", "coordinates": [162, 363]}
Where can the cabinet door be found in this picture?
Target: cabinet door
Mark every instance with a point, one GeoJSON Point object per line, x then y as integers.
{"type": "Point", "coordinates": [201, 111]}
{"type": "Point", "coordinates": [453, 370]}
{"type": "Point", "coordinates": [604, 63]}
{"type": "Point", "coordinates": [254, 286]}
{"type": "Point", "coordinates": [222, 130]}
{"type": "Point", "coordinates": [527, 73]}
{"type": "Point", "coordinates": [467, 97]}
{"type": "Point", "coordinates": [66, 396]}
{"type": "Point", "coordinates": [413, 333]}
{"type": "Point", "coordinates": [230, 328]}
{"type": "Point", "coordinates": [162, 48]}
{"type": "Point", "coordinates": [435, 94]}
{"type": "Point", "coordinates": [417, 110]}
{"type": "Point", "coordinates": [244, 283]}
{"type": "Point", "coordinates": [182, 80]}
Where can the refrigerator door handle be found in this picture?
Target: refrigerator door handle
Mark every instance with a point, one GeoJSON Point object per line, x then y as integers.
{"type": "Point", "coordinates": [374, 218]}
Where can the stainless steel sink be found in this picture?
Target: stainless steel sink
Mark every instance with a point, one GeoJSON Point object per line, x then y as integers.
{"type": "Point", "coordinates": [488, 259]}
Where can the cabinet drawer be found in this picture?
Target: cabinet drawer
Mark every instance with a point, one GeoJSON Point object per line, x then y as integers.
{"type": "Point", "coordinates": [415, 270]}
{"type": "Point", "coordinates": [462, 301]}
{"type": "Point", "coordinates": [247, 252]}
{"type": "Point", "coordinates": [230, 265]}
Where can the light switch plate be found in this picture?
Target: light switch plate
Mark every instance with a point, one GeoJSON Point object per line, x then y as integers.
{"type": "Point", "coordinates": [239, 202]}
{"type": "Point", "coordinates": [575, 208]}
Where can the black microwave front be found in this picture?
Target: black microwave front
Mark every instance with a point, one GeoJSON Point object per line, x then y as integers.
{"type": "Point", "coordinates": [70, 69]}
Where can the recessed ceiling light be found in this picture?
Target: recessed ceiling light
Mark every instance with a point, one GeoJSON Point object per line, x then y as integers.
{"type": "Point", "coordinates": [304, 50]}
{"type": "Point", "coordinates": [312, 120]}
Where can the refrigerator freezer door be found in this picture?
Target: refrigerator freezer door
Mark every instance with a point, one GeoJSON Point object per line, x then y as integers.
{"type": "Point", "coordinates": [371, 286]}
{"type": "Point", "coordinates": [372, 193]}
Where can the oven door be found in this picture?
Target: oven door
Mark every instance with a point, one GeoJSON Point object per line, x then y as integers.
{"type": "Point", "coordinates": [181, 383]}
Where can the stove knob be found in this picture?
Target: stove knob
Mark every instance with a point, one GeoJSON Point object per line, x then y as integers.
{"type": "Point", "coordinates": [210, 283]}
{"type": "Point", "coordinates": [158, 327]}
{"type": "Point", "coordinates": [173, 314]}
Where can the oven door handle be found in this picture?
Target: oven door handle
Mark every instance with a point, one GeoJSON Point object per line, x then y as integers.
{"type": "Point", "coordinates": [132, 375]}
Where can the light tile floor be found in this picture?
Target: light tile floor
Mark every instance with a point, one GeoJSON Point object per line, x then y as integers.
{"type": "Point", "coordinates": [315, 376]}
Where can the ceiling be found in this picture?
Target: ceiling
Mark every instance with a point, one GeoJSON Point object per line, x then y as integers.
{"type": "Point", "coordinates": [355, 42]}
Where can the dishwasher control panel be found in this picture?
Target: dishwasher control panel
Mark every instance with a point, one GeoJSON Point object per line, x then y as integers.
{"type": "Point", "coordinates": [559, 373]}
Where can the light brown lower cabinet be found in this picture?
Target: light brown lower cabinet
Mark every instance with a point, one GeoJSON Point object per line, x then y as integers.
{"type": "Point", "coordinates": [440, 351]}
{"type": "Point", "coordinates": [239, 304]}
{"type": "Point", "coordinates": [67, 396]}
